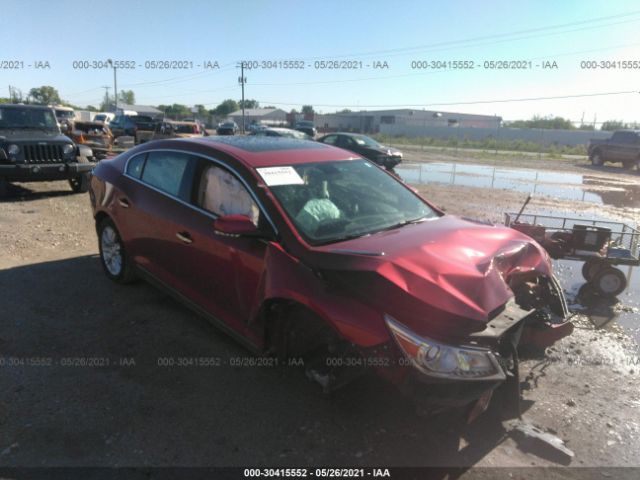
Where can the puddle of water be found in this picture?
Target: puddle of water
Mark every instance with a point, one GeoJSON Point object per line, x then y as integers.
{"type": "Point", "coordinates": [567, 186]}
{"type": "Point", "coordinates": [623, 311]}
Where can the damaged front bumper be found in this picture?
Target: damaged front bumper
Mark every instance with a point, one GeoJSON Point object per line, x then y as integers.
{"type": "Point", "coordinates": [446, 375]}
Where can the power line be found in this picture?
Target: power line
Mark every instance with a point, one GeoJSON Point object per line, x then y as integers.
{"type": "Point", "coordinates": [475, 102]}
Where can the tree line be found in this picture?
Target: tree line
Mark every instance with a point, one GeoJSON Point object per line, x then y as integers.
{"type": "Point", "coordinates": [48, 95]}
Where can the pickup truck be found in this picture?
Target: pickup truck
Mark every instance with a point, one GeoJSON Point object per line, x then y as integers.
{"type": "Point", "coordinates": [128, 125]}
{"type": "Point", "coordinates": [32, 148]}
{"type": "Point", "coordinates": [623, 146]}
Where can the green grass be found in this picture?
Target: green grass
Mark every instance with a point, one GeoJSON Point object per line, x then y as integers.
{"type": "Point", "coordinates": [488, 144]}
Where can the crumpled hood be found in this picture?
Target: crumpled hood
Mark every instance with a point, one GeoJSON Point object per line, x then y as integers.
{"type": "Point", "coordinates": [435, 271]}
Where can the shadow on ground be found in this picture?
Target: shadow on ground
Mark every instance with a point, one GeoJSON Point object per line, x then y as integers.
{"type": "Point", "coordinates": [86, 382]}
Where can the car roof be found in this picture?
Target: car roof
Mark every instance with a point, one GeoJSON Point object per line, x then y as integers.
{"type": "Point", "coordinates": [260, 151]}
{"type": "Point", "coordinates": [19, 105]}
{"type": "Point", "coordinates": [348, 134]}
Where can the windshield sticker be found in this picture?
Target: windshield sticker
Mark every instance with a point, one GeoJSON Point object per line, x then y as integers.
{"type": "Point", "coordinates": [274, 176]}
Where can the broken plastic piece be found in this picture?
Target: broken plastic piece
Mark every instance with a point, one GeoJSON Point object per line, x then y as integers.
{"type": "Point", "coordinates": [534, 440]}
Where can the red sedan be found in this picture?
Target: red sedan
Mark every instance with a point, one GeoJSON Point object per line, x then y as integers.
{"type": "Point", "coordinates": [302, 250]}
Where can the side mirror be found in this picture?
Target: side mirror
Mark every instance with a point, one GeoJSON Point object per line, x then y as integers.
{"type": "Point", "coordinates": [235, 225]}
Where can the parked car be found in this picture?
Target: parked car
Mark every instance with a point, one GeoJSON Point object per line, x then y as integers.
{"type": "Point", "coordinates": [623, 146]}
{"type": "Point", "coordinates": [129, 125]}
{"type": "Point", "coordinates": [32, 148]}
{"type": "Point", "coordinates": [281, 132]}
{"type": "Point", "coordinates": [365, 146]}
{"type": "Point", "coordinates": [256, 126]}
{"type": "Point", "coordinates": [307, 127]}
{"type": "Point", "coordinates": [104, 118]}
{"type": "Point", "coordinates": [95, 135]}
{"type": "Point", "coordinates": [299, 250]}
{"type": "Point", "coordinates": [227, 128]}
{"type": "Point", "coordinates": [170, 129]}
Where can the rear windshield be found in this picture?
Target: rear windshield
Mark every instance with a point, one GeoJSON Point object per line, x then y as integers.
{"type": "Point", "coordinates": [186, 129]}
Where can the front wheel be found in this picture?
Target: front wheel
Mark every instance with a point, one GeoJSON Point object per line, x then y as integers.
{"type": "Point", "coordinates": [115, 263]}
{"type": "Point", "coordinates": [591, 267]}
{"type": "Point", "coordinates": [80, 184]}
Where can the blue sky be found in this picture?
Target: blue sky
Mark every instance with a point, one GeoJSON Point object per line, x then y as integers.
{"type": "Point", "coordinates": [397, 32]}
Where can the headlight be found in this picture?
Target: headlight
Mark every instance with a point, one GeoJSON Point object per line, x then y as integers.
{"type": "Point", "coordinates": [13, 149]}
{"type": "Point", "coordinates": [68, 149]}
{"type": "Point", "coordinates": [438, 359]}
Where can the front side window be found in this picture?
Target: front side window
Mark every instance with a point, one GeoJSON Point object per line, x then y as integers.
{"type": "Point", "coordinates": [170, 172]}
{"type": "Point", "coordinates": [333, 201]}
{"type": "Point", "coordinates": [221, 193]}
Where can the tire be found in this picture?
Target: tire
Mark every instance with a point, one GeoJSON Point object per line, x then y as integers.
{"type": "Point", "coordinates": [596, 158]}
{"type": "Point", "coordinates": [115, 263]}
{"type": "Point", "coordinates": [80, 184]}
{"type": "Point", "coordinates": [609, 282]}
{"type": "Point", "coordinates": [629, 164]}
{"type": "Point", "coordinates": [590, 268]}
{"type": "Point", "coordinates": [4, 188]}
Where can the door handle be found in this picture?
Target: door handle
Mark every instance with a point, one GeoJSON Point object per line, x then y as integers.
{"type": "Point", "coordinates": [124, 203]}
{"type": "Point", "coordinates": [184, 237]}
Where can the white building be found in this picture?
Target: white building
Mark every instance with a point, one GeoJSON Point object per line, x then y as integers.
{"type": "Point", "coordinates": [370, 121]}
{"type": "Point", "coordinates": [264, 116]}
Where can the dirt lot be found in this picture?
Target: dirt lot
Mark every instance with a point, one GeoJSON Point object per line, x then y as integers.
{"type": "Point", "coordinates": [57, 308]}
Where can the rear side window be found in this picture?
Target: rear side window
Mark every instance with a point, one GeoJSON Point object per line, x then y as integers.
{"type": "Point", "coordinates": [134, 167]}
{"type": "Point", "coordinates": [170, 172]}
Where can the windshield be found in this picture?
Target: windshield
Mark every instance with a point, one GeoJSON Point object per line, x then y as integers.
{"type": "Point", "coordinates": [333, 201]}
{"type": "Point", "coordinates": [64, 114]}
{"type": "Point", "coordinates": [365, 141]}
{"type": "Point", "coordinates": [27, 118]}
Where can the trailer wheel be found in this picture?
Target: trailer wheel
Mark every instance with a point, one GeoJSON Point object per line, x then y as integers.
{"type": "Point", "coordinates": [590, 268]}
{"type": "Point", "coordinates": [609, 282]}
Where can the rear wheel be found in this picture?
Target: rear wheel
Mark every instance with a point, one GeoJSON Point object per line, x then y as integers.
{"type": "Point", "coordinates": [4, 188]}
{"type": "Point", "coordinates": [596, 158]}
{"type": "Point", "coordinates": [117, 267]}
{"type": "Point", "coordinates": [609, 282]}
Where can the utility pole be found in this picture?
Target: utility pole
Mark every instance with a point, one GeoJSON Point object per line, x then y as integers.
{"type": "Point", "coordinates": [115, 84]}
{"type": "Point", "coordinates": [242, 81]}
{"type": "Point", "coordinates": [106, 95]}
{"type": "Point", "coordinates": [115, 88]}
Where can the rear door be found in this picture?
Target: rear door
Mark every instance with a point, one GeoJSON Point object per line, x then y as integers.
{"type": "Point", "coordinates": [155, 210]}
{"type": "Point", "coordinates": [620, 147]}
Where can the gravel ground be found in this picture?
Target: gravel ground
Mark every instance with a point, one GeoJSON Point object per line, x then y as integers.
{"type": "Point", "coordinates": [129, 410]}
